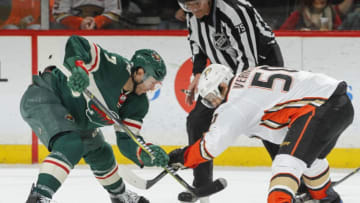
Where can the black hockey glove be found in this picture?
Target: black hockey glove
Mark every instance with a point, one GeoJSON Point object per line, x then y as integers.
{"type": "Point", "coordinates": [177, 158]}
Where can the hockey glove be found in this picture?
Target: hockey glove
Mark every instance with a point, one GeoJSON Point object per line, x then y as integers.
{"type": "Point", "coordinates": [161, 158]}
{"type": "Point", "coordinates": [177, 158]}
{"type": "Point", "coordinates": [79, 79]}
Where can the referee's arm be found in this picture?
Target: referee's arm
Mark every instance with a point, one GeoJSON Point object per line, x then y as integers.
{"type": "Point", "coordinates": [199, 63]}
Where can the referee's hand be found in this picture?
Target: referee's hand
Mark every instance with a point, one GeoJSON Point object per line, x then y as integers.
{"type": "Point", "coordinates": [192, 89]}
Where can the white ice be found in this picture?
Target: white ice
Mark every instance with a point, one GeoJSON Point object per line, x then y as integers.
{"type": "Point", "coordinates": [245, 185]}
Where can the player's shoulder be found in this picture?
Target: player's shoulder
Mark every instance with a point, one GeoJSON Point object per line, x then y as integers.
{"type": "Point", "coordinates": [115, 59]}
{"type": "Point", "coordinates": [119, 58]}
{"type": "Point", "coordinates": [77, 38]}
{"type": "Point", "coordinates": [126, 64]}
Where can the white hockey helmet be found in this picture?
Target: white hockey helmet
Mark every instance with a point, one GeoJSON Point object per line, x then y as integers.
{"type": "Point", "coordinates": [210, 80]}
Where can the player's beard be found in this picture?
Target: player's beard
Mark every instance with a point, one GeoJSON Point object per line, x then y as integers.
{"type": "Point", "coordinates": [140, 89]}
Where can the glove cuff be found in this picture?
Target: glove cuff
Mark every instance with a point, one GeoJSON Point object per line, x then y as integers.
{"type": "Point", "coordinates": [138, 154]}
{"type": "Point", "coordinates": [80, 63]}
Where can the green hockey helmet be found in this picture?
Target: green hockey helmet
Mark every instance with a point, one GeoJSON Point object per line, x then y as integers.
{"type": "Point", "coordinates": [151, 62]}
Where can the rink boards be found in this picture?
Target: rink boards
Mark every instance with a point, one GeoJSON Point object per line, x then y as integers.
{"type": "Point", "coordinates": [25, 53]}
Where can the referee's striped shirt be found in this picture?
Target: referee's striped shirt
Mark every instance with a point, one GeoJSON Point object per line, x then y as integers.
{"type": "Point", "coordinates": [232, 34]}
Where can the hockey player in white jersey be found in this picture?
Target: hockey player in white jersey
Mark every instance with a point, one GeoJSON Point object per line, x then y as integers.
{"type": "Point", "coordinates": [303, 112]}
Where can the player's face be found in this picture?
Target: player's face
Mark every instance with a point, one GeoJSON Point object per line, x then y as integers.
{"type": "Point", "coordinates": [149, 84]}
{"type": "Point", "coordinates": [212, 101]}
{"type": "Point", "coordinates": [199, 8]}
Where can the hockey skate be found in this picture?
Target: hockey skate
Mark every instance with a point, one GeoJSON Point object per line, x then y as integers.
{"type": "Point", "coordinates": [333, 197]}
{"type": "Point", "coordinates": [35, 197]}
{"type": "Point", "coordinates": [128, 197]}
{"type": "Point", "coordinates": [187, 197]}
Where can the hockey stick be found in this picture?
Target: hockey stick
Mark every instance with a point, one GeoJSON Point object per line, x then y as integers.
{"type": "Point", "coordinates": [305, 196]}
{"type": "Point", "coordinates": [127, 174]}
{"type": "Point", "coordinates": [137, 181]}
{"type": "Point", "coordinates": [335, 183]}
{"type": "Point", "coordinates": [215, 186]}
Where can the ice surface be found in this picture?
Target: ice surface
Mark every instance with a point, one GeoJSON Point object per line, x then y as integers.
{"type": "Point", "coordinates": [245, 185]}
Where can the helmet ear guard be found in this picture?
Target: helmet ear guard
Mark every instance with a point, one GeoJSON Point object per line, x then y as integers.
{"type": "Point", "coordinates": [210, 80]}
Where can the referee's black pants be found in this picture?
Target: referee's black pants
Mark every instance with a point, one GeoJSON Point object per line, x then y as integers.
{"type": "Point", "coordinates": [199, 119]}
{"type": "Point", "coordinates": [197, 123]}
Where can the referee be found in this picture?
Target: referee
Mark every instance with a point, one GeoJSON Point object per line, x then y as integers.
{"type": "Point", "coordinates": [228, 32]}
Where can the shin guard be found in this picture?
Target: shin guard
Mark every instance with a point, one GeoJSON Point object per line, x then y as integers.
{"type": "Point", "coordinates": [317, 179]}
{"type": "Point", "coordinates": [103, 165]}
{"type": "Point", "coordinates": [285, 180]}
{"type": "Point", "coordinates": [66, 153]}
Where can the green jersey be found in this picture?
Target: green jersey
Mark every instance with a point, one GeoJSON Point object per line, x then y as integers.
{"type": "Point", "coordinates": [108, 74]}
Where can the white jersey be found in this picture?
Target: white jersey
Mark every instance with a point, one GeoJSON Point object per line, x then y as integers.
{"type": "Point", "coordinates": [262, 102]}
{"type": "Point", "coordinates": [108, 8]}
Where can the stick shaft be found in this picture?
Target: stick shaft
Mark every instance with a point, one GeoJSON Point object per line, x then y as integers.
{"type": "Point", "coordinates": [137, 140]}
{"type": "Point", "coordinates": [345, 177]}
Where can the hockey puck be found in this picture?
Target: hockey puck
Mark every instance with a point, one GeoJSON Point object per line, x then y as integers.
{"type": "Point", "coordinates": [186, 197]}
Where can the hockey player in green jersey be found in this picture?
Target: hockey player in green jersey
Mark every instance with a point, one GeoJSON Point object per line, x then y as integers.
{"type": "Point", "coordinates": [68, 123]}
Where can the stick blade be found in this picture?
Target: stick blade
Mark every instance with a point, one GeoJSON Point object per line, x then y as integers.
{"type": "Point", "coordinates": [131, 178]}
{"type": "Point", "coordinates": [150, 183]}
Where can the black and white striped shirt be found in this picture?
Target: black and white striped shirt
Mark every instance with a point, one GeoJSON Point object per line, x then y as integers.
{"type": "Point", "coordinates": [233, 34]}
